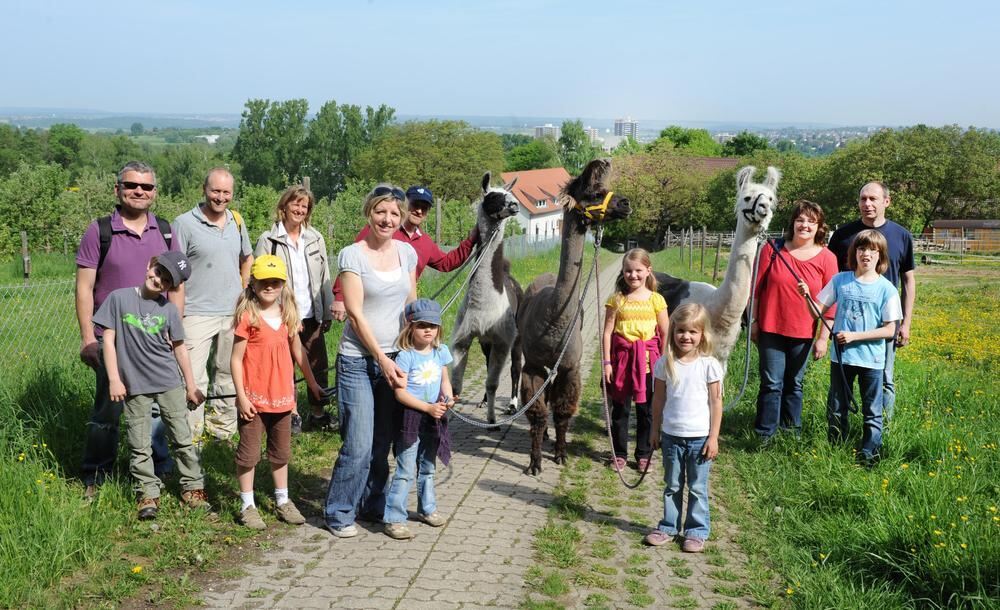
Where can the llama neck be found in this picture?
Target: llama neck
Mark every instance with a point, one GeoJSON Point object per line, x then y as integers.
{"type": "Point", "coordinates": [489, 274]}
{"type": "Point", "coordinates": [730, 299]}
{"type": "Point", "coordinates": [570, 276]}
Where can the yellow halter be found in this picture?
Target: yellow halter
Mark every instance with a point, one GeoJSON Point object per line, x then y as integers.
{"type": "Point", "coordinates": [597, 211]}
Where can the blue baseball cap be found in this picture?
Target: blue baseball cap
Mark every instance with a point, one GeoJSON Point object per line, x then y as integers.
{"type": "Point", "coordinates": [423, 310]}
{"type": "Point", "coordinates": [420, 193]}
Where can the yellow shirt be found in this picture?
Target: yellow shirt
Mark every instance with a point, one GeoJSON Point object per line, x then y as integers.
{"type": "Point", "coordinates": [636, 320]}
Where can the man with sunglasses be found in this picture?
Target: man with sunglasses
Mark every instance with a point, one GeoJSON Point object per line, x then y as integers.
{"type": "Point", "coordinates": [419, 201]}
{"type": "Point", "coordinates": [108, 259]}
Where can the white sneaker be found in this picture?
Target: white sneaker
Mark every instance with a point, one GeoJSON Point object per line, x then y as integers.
{"type": "Point", "coordinates": [348, 531]}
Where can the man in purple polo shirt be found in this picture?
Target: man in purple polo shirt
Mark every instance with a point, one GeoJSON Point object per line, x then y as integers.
{"type": "Point", "coordinates": [135, 238]}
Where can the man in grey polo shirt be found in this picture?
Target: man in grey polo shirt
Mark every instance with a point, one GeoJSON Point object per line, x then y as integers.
{"type": "Point", "coordinates": [218, 247]}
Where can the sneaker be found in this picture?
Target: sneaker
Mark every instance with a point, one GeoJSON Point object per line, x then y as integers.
{"type": "Point", "coordinates": [289, 513]}
{"type": "Point", "coordinates": [316, 423]}
{"type": "Point", "coordinates": [148, 508]}
{"type": "Point", "coordinates": [250, 517]}
{"type": "Point", "coordinates": [90, 493]}
{"type": "Point", "coordinates": [348, 531]}
{"type": "Point", "coordinates": [620, 461]}
{"type": "Point", "coordinates": [642, 464]}
{"type": "Point", "coordinates": [693, 545]}
{"type": "Point", "coordinates": [398, 531]}
{"type": "Point", "coordinates": [296, 423]}
{"type": "Point", "coordinates": [657, 538]}
{"type": "Point", "coordinates": [195, 498]}
{"type": "Point", "coordinates": [434, 519]}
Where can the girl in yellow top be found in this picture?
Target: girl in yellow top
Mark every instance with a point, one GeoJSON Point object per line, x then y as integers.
{"type": "Point", "coordinates": [636, 328]}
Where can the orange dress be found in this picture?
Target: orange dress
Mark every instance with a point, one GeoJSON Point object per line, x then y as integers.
{"type": "Point", "coordinates": [268, 371]}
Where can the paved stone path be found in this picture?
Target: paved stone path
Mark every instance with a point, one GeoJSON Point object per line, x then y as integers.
{"type": "Point", "coordinates": [477, 560]}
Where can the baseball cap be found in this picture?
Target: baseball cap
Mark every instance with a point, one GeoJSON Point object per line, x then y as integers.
{"type": "Point", "coordinates": [268, 267]}
{"type": "Point", "coordinates": [420, 193]}
{"type": "Point", "coordinates": [423, 310]}
{"type": "Point", "coordinates": [177, 266]}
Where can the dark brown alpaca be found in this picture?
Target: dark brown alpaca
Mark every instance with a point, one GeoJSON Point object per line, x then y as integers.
{"type": "Point", "coordinates": [547, 312]}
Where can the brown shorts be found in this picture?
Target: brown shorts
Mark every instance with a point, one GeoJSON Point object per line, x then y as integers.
{"type": "Point", "coordinates": [279, 439]}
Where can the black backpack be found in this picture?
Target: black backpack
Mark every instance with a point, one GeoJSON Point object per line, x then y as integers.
{"type": "Point", "coordinates": [104, 231]}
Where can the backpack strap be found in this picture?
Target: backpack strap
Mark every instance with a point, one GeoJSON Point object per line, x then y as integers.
{"type": "Point", "coordinates": [274, 247]}
{"type": "Point", "coordinates": [239, 220]}
{"type": "Point", "coordinates": [104, 232]}
{"type": "Point", "coordinates": [165, 230]}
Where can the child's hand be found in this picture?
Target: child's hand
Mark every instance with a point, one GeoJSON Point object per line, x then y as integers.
{"type": "Point", "coordinates": [844, 337]}
{"type": "Point", "coordinates": [608, 374]}
{"type": "Point", "coordinates": [246, 409]}
{"type": "Point", "coordinates": [711, 448]}
{"type": "Point", "coordinates": [437, 409]}
{"type": "Point", "coordinates": [803, 289]}
{"type": "Point", "coordinates": [654, 438]}
{"type": "Point", "coordinates": [316, 391]}
{"type": "Point", "coordinates": [819, 349]}
{"type": "Point", "coordinates": [117, 390]}
{"type": "Point", "coordinates": [195, 396]}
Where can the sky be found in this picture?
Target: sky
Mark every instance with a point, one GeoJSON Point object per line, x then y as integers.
{"type": "Point", "coordinates": [851, 62]}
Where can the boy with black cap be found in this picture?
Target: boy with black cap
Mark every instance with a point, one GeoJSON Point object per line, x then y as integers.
{"type": "Point", "coordinates": [143, 348]}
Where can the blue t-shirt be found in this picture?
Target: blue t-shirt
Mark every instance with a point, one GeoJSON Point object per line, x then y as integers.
{"type": "Point", "coordinates": [423, 371]}
{"type": "Point", "coordinates": [900, 243]}
{"type": "Point", "coordinates": [861, 307]}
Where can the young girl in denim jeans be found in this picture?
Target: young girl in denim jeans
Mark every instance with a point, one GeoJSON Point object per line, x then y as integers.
{"type": "Point", "coordinates": [687, 413]}
{"type": "Point", "coordinates": [423, 433]}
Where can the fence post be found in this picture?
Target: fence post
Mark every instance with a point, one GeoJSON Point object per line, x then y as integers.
{"type": "Point", "coordinates": [669, 237]}
{"type": "Point", "coordinates": [718, 250]}
{"type": "Point", "coordinates": [690, 249]}
{"type": "Point", "coordinates": [25, 257]}
{"type": "Point", "coordinates": [704, 236]}
{"type": "Point", "coordinates": [681, 243]}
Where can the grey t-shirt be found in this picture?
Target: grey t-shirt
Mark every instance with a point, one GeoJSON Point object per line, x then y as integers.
{"type": "Point", "coordinates": [385, 297]}
{"type": "Point", "coordinates": [214, 253]}
{"type": "Point", "coordinates": [144, 331]}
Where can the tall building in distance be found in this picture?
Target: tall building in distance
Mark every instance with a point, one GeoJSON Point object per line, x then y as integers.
{"type": "Point", "coordinates": [548, 130]}
{"type": "Point", "coordinates": [627, 127]}
{"type": "Point", "coordinates": [593, 135]}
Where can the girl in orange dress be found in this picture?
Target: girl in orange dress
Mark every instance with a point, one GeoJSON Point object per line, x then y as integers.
{"type": "Point", "coordinates": [266, 328]}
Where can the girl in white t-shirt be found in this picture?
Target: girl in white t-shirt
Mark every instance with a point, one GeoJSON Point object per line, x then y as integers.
{"type": "Point", "coordinates": [687, 413]}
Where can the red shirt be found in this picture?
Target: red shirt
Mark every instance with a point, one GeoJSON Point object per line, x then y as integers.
{"type": "Point", "coordinates": [780, 309]}
{"type": "Point", "coordinates": [428, 253]}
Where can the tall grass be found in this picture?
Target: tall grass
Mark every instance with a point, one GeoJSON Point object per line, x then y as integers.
{"type": "Point", "coordinates": [921, 528]}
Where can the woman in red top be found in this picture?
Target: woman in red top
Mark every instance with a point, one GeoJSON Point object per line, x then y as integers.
{"type": "Point", "coordinates": [783, 327]}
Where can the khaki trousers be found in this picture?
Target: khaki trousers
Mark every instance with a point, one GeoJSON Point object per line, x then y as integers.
{"type": "Point", "coordinates": [203, 336]}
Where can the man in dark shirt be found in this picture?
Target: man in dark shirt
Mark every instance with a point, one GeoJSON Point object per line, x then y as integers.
{"type": "Point", "coordinates": [872, 202]}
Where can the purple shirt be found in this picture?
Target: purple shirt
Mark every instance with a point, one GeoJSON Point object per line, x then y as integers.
{"type": "Point", "coordinates": [128, 255]}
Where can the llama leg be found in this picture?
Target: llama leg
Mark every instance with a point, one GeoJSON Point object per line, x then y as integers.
{"type": "Point", "coordinates": [532, 378]}
{"type": "Point", "coordinates": [487, 349]}
{"type": "Point", "coordinates": [498, 357]}
{"type": "Point", "coordinates": [565, 399]}
{"type": "Point", "coordinates": [515, 374]}
{"type": "Point", "coordinates": [460, 357]}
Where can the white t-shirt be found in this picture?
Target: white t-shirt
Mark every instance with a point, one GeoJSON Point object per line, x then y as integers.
{"type": "Point", "coordinates": [686, 407]}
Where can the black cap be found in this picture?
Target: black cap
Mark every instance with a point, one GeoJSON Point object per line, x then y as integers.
{"type": "Point", "coordinates": [177, 265]}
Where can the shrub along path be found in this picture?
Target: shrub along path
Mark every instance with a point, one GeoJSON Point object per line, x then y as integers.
{"type": "Point", "coordinates": [512, 540]}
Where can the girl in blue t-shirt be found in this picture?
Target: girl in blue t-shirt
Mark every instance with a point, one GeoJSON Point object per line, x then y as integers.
{"type": "Point", "coordinates": [868, 308]}
{"type": "Point", "coordinates": [423, 433]}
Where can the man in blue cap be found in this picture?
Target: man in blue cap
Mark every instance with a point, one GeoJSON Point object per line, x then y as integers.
{"type": "Point", "coordinates": [419, 200]}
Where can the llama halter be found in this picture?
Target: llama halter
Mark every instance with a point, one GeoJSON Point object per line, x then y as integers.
{"type": "Point", "coordinates": [597, 211]}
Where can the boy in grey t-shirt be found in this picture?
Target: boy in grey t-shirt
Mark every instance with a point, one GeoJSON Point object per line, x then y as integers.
{"type": "Point", "coordinates": [143, 348]}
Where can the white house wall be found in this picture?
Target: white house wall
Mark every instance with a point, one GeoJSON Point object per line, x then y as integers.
{"type": "Point", "coordinates": [540, 226]}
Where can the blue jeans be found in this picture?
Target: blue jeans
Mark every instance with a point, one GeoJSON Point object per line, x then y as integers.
{"type": "Point", "coordinates": [888, 385]}
{"type": "Point", "coordinates": [683, 464]}
{"type": "Point", "coordinates": [417, 459]}
{"type": "Point", "coordinates": [101, 443]}
{"type": "Point", "coordinates": [361, 473]}
{"type": "Point", "coordinates": [782, 363]}
{"type": "Point", "coordinates": [838, 402]}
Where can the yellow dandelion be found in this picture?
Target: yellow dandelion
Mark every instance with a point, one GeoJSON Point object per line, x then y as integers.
{"type": "Point", "coordinates": [20, 458]}
{"type": "Point", "coordinates": [964, 546]}
{"type": "Point", "coordinates": [933, 516]}
{"type": "Point", "coordinates": [932, 474]}
{"type": "Point", "coordinates": [137, 569]}
{"type": "Point", "coordinates": [789, 591]}
{"type": "Point", "coordinates": [904, 466]}
{"type": "Point", "coordinates": [822, 556]}
{"type": "Point", "coordinates": [938, 532]}
{"type": "Point", "coordinates": [961, 498]}
{"type": "Point", "coordinates": [964, 517]}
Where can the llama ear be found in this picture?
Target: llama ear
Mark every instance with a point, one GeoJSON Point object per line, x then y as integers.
{"type": "Point", "coordinates": [773, 176]}
{"type": "Point", "coordinates": [486, 182]}
{"type": "Point", "coordinates": [596, 172]}
{"type": "Point", "coordinates": [509, 187]}
{"type": "Point", "coordinates": [743, 177]}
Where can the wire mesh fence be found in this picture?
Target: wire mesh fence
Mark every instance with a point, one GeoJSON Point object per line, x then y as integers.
{"type": "Point", "coordinates": [37, 324]}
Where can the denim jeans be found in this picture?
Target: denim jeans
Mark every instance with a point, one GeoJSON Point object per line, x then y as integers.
{"type": "Point", "coordinates": [870, 384]}
{"type": "Point", "coordinates": [888, 385]}
{"type": "Point", "coordinates": [782, 364]}
{"type": "Point", "coordinates": [173, 414]}
{"type": "Point", "coordinates": [361, 473]}
{"type": "Point", "coordinates": [683, 464]}
{"type": "Point", "coordinates": [101, 444]}
{"type": "Point", "coordinates": [417, 459]}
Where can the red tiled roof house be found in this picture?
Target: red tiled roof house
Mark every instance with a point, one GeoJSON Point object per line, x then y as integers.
{"type": "Point", "coordinates": [538, 192]}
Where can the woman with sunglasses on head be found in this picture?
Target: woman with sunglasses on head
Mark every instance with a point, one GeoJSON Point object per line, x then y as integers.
{"type": "Point", "coordinates": [783, 327]}
{"type": "Point", "coordinates": [378, 275]}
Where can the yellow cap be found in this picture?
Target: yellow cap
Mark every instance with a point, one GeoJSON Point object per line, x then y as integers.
{"type": "Point", "coordinates": [267, 267]}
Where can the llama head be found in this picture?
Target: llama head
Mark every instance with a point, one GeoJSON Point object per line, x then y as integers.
{"type": "Point", "coordinates": [498, 202]}
{"type": "Point", "coordinates": [592, 201]}
{"type": "Point", "coordinates": [755, 201]}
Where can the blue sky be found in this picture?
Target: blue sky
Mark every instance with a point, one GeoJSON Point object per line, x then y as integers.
{"type": "Point", "coordinates": [850, 62]}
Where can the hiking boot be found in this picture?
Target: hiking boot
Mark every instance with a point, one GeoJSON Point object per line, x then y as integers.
{"type": "Point", "coordinates": [250, 517]}
{"type": "Point", "coordinates": [398, 531]}
{"type": "Point", "coordinates": [657, 538]}
{"type": "Point", "coordinates": [289, 513]}
{"type": "Point", "coordinates": [296, 423]}
{"type": "Point", "coordinates": [195, 498]}
{"type": "Point", "coordinates": [318, 423]}
{"type": "Point", "coordinates": [434, 519]}
{"type": "Point", "coordinates": [348, 531]}
{"type": "Point", "coordinates": [148, 508]}
{"type": "Point", "coordinates": [693, 545]}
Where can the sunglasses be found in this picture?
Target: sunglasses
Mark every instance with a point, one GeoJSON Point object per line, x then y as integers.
{"type": "Point", "coordinates": [131, 186]}
{"type": "Point", "coordinates": [389, 190]}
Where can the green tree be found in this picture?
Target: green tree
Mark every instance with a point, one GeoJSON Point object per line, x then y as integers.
{"type": "Point", "coordinates": [513, 140]}
{"type": "Point", "coordinates": [628, 146]}
{"type": "Point", "coordinates": [575, 148]}
{"type": "Point", "coordinates": [26, 204]}
{"type": "Point", "coordinates": [136, 129]}
{"type": "Point", "coordinates": [269, 147]}
{"type": "Point", "coordinates": [336, 136]}
{"type": "Point", "coordinates": [536, 154]}
{"type": "Point", "coordinates": [64, 142]}
{"type": "Point", "coordinates": [744, 144]}
{"type": "Point", "coordinates": [694, 142]}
